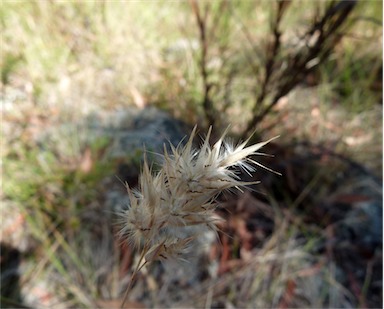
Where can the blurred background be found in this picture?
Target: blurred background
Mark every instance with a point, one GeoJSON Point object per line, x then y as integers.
{"type": "Point", "coordinates": [85, 85]}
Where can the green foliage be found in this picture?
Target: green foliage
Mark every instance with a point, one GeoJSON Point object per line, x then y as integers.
{"type": "Point", "coordinates": [10, 63]}
{"type": "Point", "coordinates": [54, 198]}
{"type": "Point", "coordinates": [355, 82]}
{"type": "Point", "coordinates": [38, 178]}
{"type": "Point", "coordinates": [354, 72]}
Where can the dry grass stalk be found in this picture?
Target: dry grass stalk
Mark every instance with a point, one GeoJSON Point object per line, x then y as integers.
{"type": "Point", "coordinates": [182, 194]}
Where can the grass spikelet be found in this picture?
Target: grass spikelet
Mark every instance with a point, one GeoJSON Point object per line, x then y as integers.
{"type": "Point", "coordinates": [182, 195]}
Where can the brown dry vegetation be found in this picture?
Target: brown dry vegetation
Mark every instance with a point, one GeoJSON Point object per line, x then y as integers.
{"type": "Point", "coordinates": [308, 238]}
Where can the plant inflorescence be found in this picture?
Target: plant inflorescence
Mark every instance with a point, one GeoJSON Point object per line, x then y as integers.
{"type": "Point", "coordinates": [182, 195]}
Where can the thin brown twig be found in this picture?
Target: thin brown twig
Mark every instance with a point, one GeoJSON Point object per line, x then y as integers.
{"type": "Point", "coordinates": [272, 51]}
{"type": "Point", "coordinates": [134, 275]}
{"type": "Point", "coordinates": [201, 21]}
{"type": "Point", "coordinates": [320, 40]}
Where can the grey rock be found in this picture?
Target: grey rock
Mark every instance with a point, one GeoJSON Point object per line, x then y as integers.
{"type": "Point", "coordinates": [366, 222]}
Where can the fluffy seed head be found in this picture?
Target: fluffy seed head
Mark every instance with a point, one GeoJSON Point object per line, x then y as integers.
{"type": "Point", "coordinates": [182, 194]}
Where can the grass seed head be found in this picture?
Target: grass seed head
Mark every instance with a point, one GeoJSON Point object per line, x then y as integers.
{"type": "Point", "coordinates": [182, 194]}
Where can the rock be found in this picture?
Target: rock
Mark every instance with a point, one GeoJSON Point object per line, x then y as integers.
{"type": "Point", "coordinates": [130, 130]}
{"type": "Point", "coordinates": [366, 223]}
{"type": "Point", "coordinates": [147, 130]}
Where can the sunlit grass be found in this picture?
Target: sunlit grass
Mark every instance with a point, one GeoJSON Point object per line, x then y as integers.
{"type": "Point", "coordinates": [72, 58]}
{"type": "Point", "coordinates": [57, 201]}
{"type": "Point", "coordinates": [104, 51]}
{"type": "Point", "coordinates": [92, 52]}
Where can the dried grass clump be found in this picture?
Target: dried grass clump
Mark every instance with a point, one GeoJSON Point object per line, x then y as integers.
{"type": "Point", "coordinates": [182, 195]}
